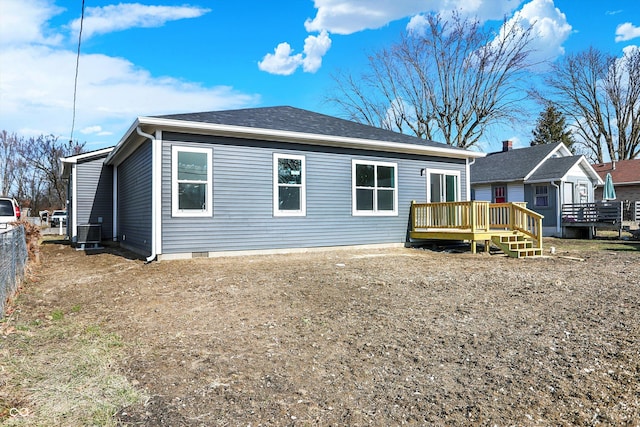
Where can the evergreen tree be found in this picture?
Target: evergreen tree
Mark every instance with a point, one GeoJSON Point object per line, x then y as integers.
{"type": "Point", "coordinates": [551, 128]}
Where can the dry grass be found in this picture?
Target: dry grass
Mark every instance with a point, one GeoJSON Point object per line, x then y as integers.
{"type": "Point", "coordinates": [58, 371]}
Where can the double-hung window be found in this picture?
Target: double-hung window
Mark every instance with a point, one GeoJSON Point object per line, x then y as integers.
{"type": "Point", "coordinates": [541, 195]}
{"type": "Point", "coordinates": [374, 188]}
{"type": "Point", "coordinates": [191, 181]}
{"type": "Point", "coordinates": [289, 186]}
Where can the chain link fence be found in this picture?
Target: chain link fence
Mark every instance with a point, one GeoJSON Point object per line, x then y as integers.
{"type": "Point", "coordinates": [13, 260]}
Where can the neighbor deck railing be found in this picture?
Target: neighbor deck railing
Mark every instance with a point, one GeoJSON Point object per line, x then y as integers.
{"type": "Point", "coordinates": [477, 216]}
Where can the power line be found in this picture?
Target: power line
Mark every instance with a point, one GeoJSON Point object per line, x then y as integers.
{"type": "Point", "coordinates": [75, 82]}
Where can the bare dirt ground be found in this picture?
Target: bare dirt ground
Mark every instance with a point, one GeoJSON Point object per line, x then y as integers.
{"type": "Point", "coordinates": [367, 337]}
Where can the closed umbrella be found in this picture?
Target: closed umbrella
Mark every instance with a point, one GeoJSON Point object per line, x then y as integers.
{"type": "Point", "coordinates": [608, 193]}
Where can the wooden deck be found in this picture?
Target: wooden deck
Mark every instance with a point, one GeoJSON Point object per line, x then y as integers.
{"type": "Point", "coordinates": [593, 216]}
{"type": "Point", "coordinates": [513, 227]}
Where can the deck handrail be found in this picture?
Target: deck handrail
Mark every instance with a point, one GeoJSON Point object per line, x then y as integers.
{"type": "Point", "coordinates": [598, 212]}
{"type": "Point", "coordinates": [478, 216]}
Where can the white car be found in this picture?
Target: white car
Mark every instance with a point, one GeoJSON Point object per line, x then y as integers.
{"type": "Point", "coordinates": [9, 212]}
{"type": "Point", "coordinates": [58, 217]}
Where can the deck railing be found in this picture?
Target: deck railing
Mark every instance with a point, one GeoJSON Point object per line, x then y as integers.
{"type": "Point", "coordinates": [477, 216]}
{"type": "Point", "coordinates": [599, 212]}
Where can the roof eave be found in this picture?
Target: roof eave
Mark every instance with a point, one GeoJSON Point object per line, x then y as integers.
{"type": "Point", "coordinates": [292, 137]}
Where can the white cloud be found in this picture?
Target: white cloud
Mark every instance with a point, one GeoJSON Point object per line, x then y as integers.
{"type": "Point", "coordinates": [36, 91]}
{"type": "Point", "coordinates": [111, 91]}
{"type": "Point", "coordinates": [351, 16]}
{"type": "Point", "coordinates": [25, 21]}
{"type": "Point", "coordinates": [107, 19]}
{"type": "Point", "coordinates": [314, 49]}
{"type": "Point", "coordinates": [627, 31]}
{"type": "Point", "coordinates": [283, 62]}
{"type": "Point", "coordinates": [550, 28]}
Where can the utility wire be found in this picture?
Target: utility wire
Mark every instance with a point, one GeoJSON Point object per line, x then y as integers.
{"type": "Point", "coordinates": [75, 82]}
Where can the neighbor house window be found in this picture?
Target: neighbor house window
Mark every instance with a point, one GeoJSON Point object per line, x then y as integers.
{"type": "Point", "coordinates": [374, 188]}
{"type": "Point", "coordinates": [542, 195]}
{"type": "Point", "coordinates": [191, 181]}
{"type": "Point", "coordinates": [289, 194]}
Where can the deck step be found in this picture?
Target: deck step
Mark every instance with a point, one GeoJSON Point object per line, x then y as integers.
{"type": "Point", "coordinates": [517, 246]}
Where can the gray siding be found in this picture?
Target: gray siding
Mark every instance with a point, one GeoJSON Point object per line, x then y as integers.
{"type": "Point", "coordinates": [94, 195]}
{"type": "Point", "coordinates": [550, 212]}
{"type": "Point", "coordinates": [243, 198]}
{"type": "Point", "coordinates": [134, 200]}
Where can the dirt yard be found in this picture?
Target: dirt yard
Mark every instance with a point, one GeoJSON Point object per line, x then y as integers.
{"type": "Point", "coordinates": [367, 337]}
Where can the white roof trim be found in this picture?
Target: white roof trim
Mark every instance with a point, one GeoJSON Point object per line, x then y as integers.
{"type": "Point", "coordinates": [547, 157]}
{"type": "Point", "coordinates": [96, 153]}
{"type": "Point", "coordinates": [292, 137]}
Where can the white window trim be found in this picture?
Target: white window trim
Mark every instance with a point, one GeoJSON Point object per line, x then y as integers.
{"type": "Point", "coordinates": [174, 183]}
{"type": "Point", "coordinates": [303, 186]}
{"type": "Point", "coordinates": [445, 172]}
{"type": "Point", "coordinates": [375, 211]}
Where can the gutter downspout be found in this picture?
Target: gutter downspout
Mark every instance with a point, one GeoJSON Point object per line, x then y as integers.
{"type": "Point", "coordinates": [558, 208]}
{"type": "Point", "coordinates": [468, 170]}
{"type": "Point", "coordinates": [152, 138]}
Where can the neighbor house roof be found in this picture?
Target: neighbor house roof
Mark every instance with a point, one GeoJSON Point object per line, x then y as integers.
{"type": "Point", "coordinates": [288, 124]}
{"type": "Point", "coordinates": [625, 172]}
{"type": "Point", "coordinates": [511, 165]}
{"type": "Point", "coordinates": [539, 163]}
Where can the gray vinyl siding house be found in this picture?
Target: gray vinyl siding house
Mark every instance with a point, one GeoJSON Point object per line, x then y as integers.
{"type": "Point", "coordinates": [269, 179]}
{"type": "Point", "coordinates": [89, 190]}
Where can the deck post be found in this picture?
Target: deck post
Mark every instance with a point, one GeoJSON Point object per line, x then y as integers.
{"type": "Point", "coordinates": [473, 217]}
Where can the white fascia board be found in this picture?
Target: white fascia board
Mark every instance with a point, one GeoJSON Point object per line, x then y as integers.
{"type": "Point", "coordinates": [300, 137]}
{"type": "Point", "coordinates": [547, 157]}
{"type": "Point", "coordinates": [89, 155]}
{"type": "Point", "coordinates": [72, 160]}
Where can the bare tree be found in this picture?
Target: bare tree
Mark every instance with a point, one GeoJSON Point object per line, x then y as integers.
{"type": "Point", "coordinates": [451, 82]}
{"type": "Point", "coordinates": [43, 154]}
{"type": "Point", "coordinates": [9, 166]}
{"type": "Point", "coordinates": [601, 94]}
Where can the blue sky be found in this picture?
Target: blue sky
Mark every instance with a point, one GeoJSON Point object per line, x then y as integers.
{"type": "Point", "coordinates": [174, 56]}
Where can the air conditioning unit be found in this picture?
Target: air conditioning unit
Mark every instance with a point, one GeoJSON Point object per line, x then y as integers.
{"type": "Point", "coordinates": [89, 234]}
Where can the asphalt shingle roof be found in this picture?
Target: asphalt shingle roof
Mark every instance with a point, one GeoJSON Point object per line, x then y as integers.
{"type": "Point", "coordinates": [554, 168]}
{"type": "Point", "coordinates": [285, 118]}
{"type": "Point", "coordinates": [625, 171]}
{"type": "Point", "coordinates": [512, 165]}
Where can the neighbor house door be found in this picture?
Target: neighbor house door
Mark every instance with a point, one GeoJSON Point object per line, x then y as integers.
{"type": "Point", "coordinates": [567, 193]}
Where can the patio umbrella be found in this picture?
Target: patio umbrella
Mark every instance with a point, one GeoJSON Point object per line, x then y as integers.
{"type": "Point", "coordinates": [608, 192]}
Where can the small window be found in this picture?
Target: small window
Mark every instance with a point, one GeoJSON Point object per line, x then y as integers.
{"type": "Point", "coordinates": [289, 193]}
{"type": "Point", "coordinates": [374, 189]}
{"type": "Point", "coordinates": [191, 181]}
{"type": "Point", "coordinates": [542, 195]}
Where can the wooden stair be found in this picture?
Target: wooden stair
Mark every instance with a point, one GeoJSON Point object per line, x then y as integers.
{"type": "Point", "coordinates": [517, 245]}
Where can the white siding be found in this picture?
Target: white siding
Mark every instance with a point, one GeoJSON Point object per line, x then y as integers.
{"type": "Point", "coordinates": [483, 193]}
{"type": "Point", "coordinates": [515, 192]}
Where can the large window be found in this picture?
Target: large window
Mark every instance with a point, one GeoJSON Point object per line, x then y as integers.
{"type": "Point", "coordinates": [541, 196]}
{"type": "Point", "coordinates": [375, 190]}
{"type": "Point", "coordinates": [191, 181]}
{"type": "Point", "coordinates": [289, 198]}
